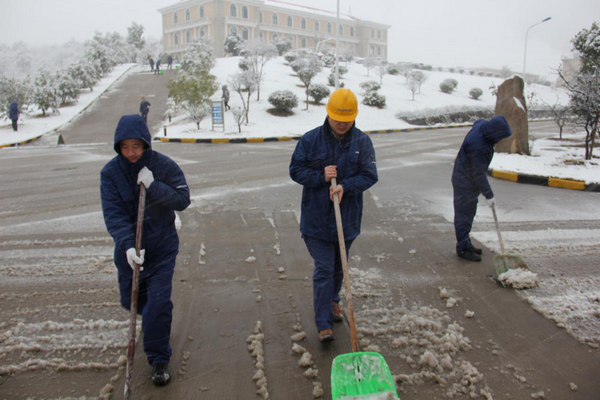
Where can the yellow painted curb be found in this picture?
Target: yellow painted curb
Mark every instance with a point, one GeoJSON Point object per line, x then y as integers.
{"type": "Point", "coordinates": [220, 140]}
{"type": "Point", "coordinates": [566, 184]}
{"type": "Point", "coordinates": [255, 140]}
{"type": "Point", "coordinates": [285, 138]}
{"type": "Point", "coordinates": [188, 140]}
{"type": "Point", "coordinates": [508, 176]}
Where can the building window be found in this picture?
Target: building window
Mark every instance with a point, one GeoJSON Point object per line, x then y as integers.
{"type": "Point", "coordinates": [290, 21]}
{"type": "Point", "coordinates": [378, 33]}
{"type": "Point", "coordinates": [275, 19]}
{"type": "Point", "coordinates": [341, 30]}
{"type": "Point", "coordinates": [275, 36]}
{"type": "Point", "coordinates": [245, 34]}
{"type": "Point", "coordinates": [378, 50]}
{"type": "Point", "coordinates": [260, 18]}
{"type": "Point", "coordinates": [232, 10]}
{"type": "Point", "coordinates": [371, 50]}
{"type": "Point", "coordinates": [352, 31]}
{"type": "Point", "coordinates": [317, 27]}
{"type": "Point", "coordinates": [303, 42]}
{"type": "Point", "coordinates": [175, 18]}
{"type": "Point", "coordinates": [373, 33]}
{"type": "Point", "coordinates": [201, 11]}
{"type": "Point", "coordinates": [244, 12]}
{"type": "Point", "coordinates": [202, 33]}
{"type": "Point", "coordinates": [303, 23]}
{"type": "Point", "coordinates": [188, 36]}
{"type": "Point", "coordinates": [289, 38]}
{"type": "Point", "coordinates": [176, 39]}
{"type": "Point", "coordinates": [187, 15]}
{"type": "Point", "coordinates": [233, 31]}
{"type": "Point", "coordinates": [329, 27]}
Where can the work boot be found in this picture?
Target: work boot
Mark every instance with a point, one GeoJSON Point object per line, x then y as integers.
{"type": "Point", "coordinates": [337, 313]}
{"type": "Point", "coordinates": [160, 374]}
{"type": "Point", "coordinates": [477, 250]}
{"type": "Point", "coordinates": [469, 255]}
{"type": "Point", "coordinates": [325, 335]}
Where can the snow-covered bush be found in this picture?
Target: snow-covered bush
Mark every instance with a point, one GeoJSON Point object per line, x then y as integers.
{"type": "Point", "coordinates": [475, 93]}
{"type": "Point", "coordinates": [244, 65]}
{"type": "Point", "coordinates": [196, 112]}
{"type": "Point", "coordinates": [318, 92]}
{"type": "Point", "coordinates": [370, 95]}
{"type": "Point", "coordinates": [448, 85]}
{"type": "Point", "coordinates": [283, 100]}
{"type": "Point", "coordinates": [239, 114]}
{"type": "Point", "coordinates": [393, 69]}
{"type": "Point", "coordinates": [44, 93]}
{"type": "Point", "coordinates": [67, 88]}
{"type": "Point", "coordinates": [231, 45]}
{"type": "Point", "coordinates": [370, 86]}
{"type": "Point", "coordinates": [14, 89]}
{"type": "Point", "coordinates": [445, 115]}
{"type": "Point", "coordinates": [282, 45]}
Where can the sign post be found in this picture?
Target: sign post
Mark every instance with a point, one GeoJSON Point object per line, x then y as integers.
{"type": "Point", "coordinates": [218, 119]}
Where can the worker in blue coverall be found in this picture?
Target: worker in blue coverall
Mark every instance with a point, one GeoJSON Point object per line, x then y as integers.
{"type": "Point", "coordinates": [166, 192]}
{"type": "Point", "coordinates": [469, 179]}
{"type": "Point", "coordinates": [337, 149]}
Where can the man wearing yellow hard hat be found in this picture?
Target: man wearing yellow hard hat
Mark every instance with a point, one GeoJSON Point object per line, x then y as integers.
{"type": "Point", "coordinates": [336, 149]}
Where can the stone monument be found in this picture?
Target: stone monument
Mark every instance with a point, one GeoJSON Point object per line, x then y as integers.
{"type": "Point", "coordinates": [511, 105]}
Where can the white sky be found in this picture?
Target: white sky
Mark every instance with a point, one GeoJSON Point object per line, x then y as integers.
{"type": "Point", "coordinates": [468, 33]}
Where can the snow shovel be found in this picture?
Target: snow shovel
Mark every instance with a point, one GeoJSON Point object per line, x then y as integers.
{"type": "Point", "coordinates": [503, 262]}
{"type": "Point", "coordinates": [357, 375]}
{"type": "Point", "coordinates": [134, 294]}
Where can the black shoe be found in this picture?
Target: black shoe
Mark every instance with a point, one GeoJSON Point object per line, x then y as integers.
{"type": "Point", "coordinates": [160, 375]}
{"type": "Point", "coordinates": [469, 255]}
{"type": "Point", "coordinates": [477, 250]}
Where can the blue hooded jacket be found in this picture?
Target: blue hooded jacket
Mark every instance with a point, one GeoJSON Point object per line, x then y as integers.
{"type": "Point", "coordinates": [357, 171]}
{"type": "Point", "coordinates": [475, 155]}
{"type": "Point", "coordinates": [13, 112]}
{"type": "Point", "coordinates": [120, 197]}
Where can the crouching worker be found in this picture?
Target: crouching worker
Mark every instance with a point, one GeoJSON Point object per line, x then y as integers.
{"type": "Point", "coordinates": [469, 179]}
{"type": "Point", "coordinates": [136, 163]}
{"type": "Point", "coordinates": [337, 149]}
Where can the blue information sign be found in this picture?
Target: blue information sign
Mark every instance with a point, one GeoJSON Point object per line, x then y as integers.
{"type": "Point", "coordinates": [217, 112]}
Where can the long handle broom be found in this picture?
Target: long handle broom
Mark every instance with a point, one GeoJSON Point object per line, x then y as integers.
{"type": "Point", "coordinates": [134, 294]}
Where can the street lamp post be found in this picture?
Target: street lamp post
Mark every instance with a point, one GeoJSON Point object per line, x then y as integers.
{"type": "Point", "coordinates": [525, 53]}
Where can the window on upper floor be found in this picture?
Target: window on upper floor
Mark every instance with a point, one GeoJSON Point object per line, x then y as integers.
{"type": "Point", "coordinates": [201, 11]}
{"type": "Point", "coordinates": [352, 31]}
{"type": "Point", "coordinates": [232, 10]}
{"type": "Point", "coordinates": [373, 33]}
{"type": "Point", "coordinates": [317, 26]}
{"type": "Point", "coordinates": [175, 18]}
{"type": "Point", "coordinates": [378, 33]}
{"type": "Point", "coordinates": [290, 21]}
{"type": "Point", "coordinates": [202, 32]}
{"type": "Point", "coordinates": [329, 28]}
{"type": "Point", "coordinates": [245, 33]}
{"type": "Point", "coordinates": [244, 12]}
{"type": "Point", "coordinates": [187, 15]}
{"type": "Point", "coordinates": [303, 42]}
{"type": "Point", "coordinates": [188, 36]}
{"type": "Point", "coordinates": [233, 31]}
{"type": "Point", "coordinates": [260, 17]}
{"type": "Point", "coordinates": [275, 19]}
{"type": "Point", "coordinates": [303, 23]}
{"type": "Point", "coordinates": [176, 38]}
{"type": "Point", "coordinates": [371, 50]}
{"type": "Point", "coordinates": [341, 30]}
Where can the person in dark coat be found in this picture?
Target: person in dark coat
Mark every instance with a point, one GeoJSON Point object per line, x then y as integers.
{"type": "Point", "coordinates": [225, 97]}
{"type": "Point", "coordinates": [145, 109]}
{"type": "Point", "coordinates": [167, 191]}
{"type": "Point", "coordinates": [337, 149]}
{"type": "Point", "coordinates": [170, 62]}
{"type": "Point", "coordinates": [151, 62]}
{"type": "Point", "coordinates": [469, 179]}
{"type": "Point", "coordinates": [13, 114]}
{"type": "Point", "coordinates": [157, 67]}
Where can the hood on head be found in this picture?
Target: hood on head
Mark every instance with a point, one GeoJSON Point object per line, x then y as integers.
{"type": "Point", "coordinates": [495, 129]}
{"type": "Point", "coordinates": [132, 127]}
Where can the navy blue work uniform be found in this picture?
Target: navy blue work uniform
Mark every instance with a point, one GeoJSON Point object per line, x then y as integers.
{"type": "Point", "coordinates": [120, 196]}
{"type": "Point", "coordinates": [469, 178]}
{"type": "Point", "coordinates": [145, 109]}
{"type": "Point", "coordinates": [13, 114]}
{"type": "Point", "coordinates": [354, 156]}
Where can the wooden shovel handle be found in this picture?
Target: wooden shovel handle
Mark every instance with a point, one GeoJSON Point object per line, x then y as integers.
{"type": "Point", "coordinates": [347, 283]}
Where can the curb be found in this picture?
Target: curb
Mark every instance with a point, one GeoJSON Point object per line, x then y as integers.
{"type": "Point", "coordinates": [71, 119]}
{"type": "Point", "coordinates": [288, 138]}
{"type": "Point", "coordinates": [544, 181]}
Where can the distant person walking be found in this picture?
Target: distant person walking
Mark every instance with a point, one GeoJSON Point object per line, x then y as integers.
{"type": "Point", "coordinates": [225, 97]}
{"type": "Point", "coordinates": [170, 62]}
{"type": "Point", "coordinates": [157, 68]}
{"type": "Point", "coordinates": [13, 114]}
{"type": "Point", "coordinates": [469, 179]}
{"type": "Point", "coordinates": [151, 62]}
{"type": "Point", "coordinates": [145, 109]}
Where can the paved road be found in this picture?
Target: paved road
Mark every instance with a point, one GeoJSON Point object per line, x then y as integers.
{"type": "Point", "coordinates": [66, 330]}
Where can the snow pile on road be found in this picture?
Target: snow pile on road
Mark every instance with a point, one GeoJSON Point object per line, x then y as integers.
{"type": "Point", "coordinates": [257, 352]}
{"type": "Point", "coordinates": [519, 278]}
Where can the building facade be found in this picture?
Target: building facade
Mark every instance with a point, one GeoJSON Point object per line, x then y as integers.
{"type": "Point", "coordinates": [268, 20]}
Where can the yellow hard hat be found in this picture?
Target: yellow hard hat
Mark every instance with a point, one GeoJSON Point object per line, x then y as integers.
{"type": "Point", "coordinates": [342, 106]}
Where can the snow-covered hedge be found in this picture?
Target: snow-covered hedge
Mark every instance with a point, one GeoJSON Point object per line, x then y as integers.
{"type": "Point", "coordinates": [283, 100]}
{"type": "Point", "coordinates": [445, 115]}
{"type": "Point", "coordinates": [318, 92]}
{"type": "Point", "coordinates": [475, 93]}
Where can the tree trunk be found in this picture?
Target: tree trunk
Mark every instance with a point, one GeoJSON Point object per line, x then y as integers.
{"type": "Point", "coordinates": [248, 108]}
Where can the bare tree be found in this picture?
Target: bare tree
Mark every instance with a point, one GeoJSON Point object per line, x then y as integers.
{"type": "Point", "coordinates": [238, 116]}
{"type": "Point", "coordinates": [369, 64]}
{"type": "Point", "coordinates": [420, 78]}
{"type": "Point", "coordinates": [560, 115]}
{"type": "Point", "coordinates": [412, 85]}
{"type": "Point", "coordinates": [241, 82]}
{"type": "Point", "coordinates": [404, 70]}
{"type": "Point", "coordinates": [257, 54]}
{"type": "Point", "coordinates": [307, 68]}
{"type": "Point", "coordinates": [196, 111]}
{"type": "Point", "coordinates": [381, 70]}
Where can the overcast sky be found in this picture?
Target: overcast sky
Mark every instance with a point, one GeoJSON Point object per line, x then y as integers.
{"type": "Point", "coordinates": [447, 33]}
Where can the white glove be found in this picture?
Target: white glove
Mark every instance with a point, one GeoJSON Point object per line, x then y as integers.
{"type": "Point", "coordinates": [146, 177]}
{"type": "Point", "coordinates": [490, 202]}
{"type": "Point", "coordinates": [133, 259]}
